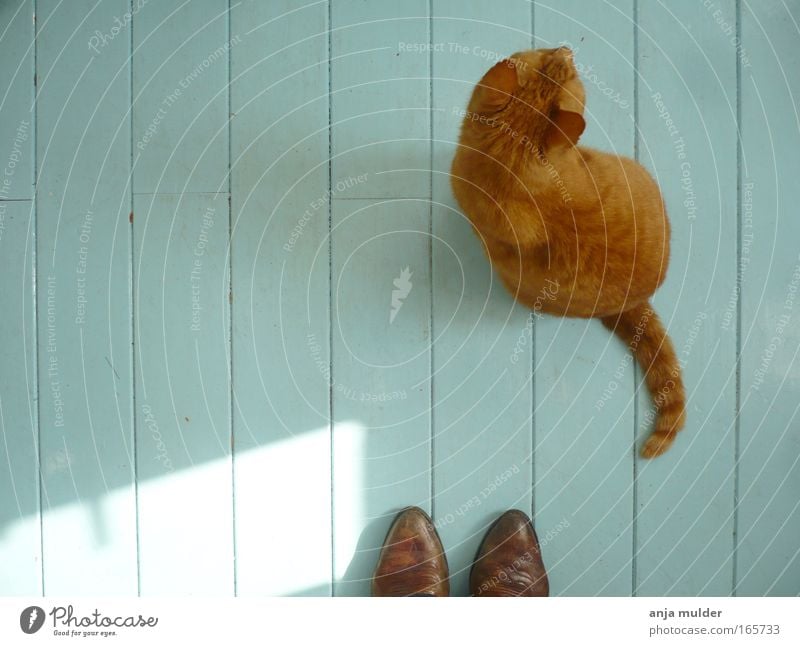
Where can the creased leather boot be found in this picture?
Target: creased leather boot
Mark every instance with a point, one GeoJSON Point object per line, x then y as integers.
{"type": "Point", "coordinates": [509, 562]}
{"type": "Point", "coordinates": [412, 562]}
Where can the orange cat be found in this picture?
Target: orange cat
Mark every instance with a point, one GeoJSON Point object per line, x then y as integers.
{"type": "Point", "coordinates": [550, 212]}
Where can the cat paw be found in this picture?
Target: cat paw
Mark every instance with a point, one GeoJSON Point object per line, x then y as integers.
{"type": "Point", "coordinates": [657, 444]}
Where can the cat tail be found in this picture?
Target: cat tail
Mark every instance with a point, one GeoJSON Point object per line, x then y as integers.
{"type": "Point", "coordinates": [643, 333]}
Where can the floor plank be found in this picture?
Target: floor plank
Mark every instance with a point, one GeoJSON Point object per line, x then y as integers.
{"type": "Point", "coordinates": [481, 397]}
{"type": "Point", "coordinates": [181, 296]}
{"type": "Point", "coordinates": [380, 277]}
{"type": "Point", "coordinates": [584, 376]}
{"type": "Point", "coordinates": [381, 376]}
{"type": "Point", "coordinates": [379, 103]}
{"type": "Point", "coordinates": [180, 98]}
{"type": "Point", "coordinates": [685, 498]}
{"type": "Point", "coordinates": [16, 99]}
{"type": "Point", "coordinates": [83, 288]}
{"type": "Point", "coordinates": [768, 521]}
{"type": "Point", "coordinates": [20, 520]}
{"type": "Point", "coordinates": [280, 267]}
{"type": "Point", "coordinates": [183, 430]}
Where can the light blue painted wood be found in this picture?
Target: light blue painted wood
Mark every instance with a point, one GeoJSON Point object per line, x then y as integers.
{"type": "Point", "coordinates": [380, 112]}
{"type": "Point", "coordinates": [769, 432]}
{"type": "Point", "coordinates": [181, 297]}
{"type": "Point", "coordinates": [183, 436]}
{"type": "Point", "coordinates": [280, 267]}
{"type": "Point", "coordinates": [687, 68]}
{"type": "Point", "coordinates": [304, 514]}
{"type": "Point", "coordinates": [83, 291]}
{"type": "Point", "coordinates": [20, 522]}
{"type": "Point", "coordinates": [20, 526]}
{"type": "Point", "coordinates": [180, 75]}
{"type": "Point", "coordinates": [16, 99]}
{"type": "Point", "coordinates": [482, 398]}
{"type": "Point", "coordinates": [584, 453]}
{"type": "Point", "coordinates": [380, 106]}
{"type": "Point", "coordinates": [381, 376]}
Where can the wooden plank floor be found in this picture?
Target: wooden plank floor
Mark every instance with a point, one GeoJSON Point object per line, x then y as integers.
{"type": "Point", "coordinates": [245, 322]}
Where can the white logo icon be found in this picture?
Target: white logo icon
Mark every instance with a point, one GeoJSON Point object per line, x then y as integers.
{"type": "Point", "coordinates": [403, 285]}
{"type": "Point", "coordinates": [31, 619]}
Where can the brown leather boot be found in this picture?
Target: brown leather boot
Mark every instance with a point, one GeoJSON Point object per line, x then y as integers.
{"type": "Point", "coordinates": [509, 563]}
{"type": "Point", "coordinates": [412, 561]}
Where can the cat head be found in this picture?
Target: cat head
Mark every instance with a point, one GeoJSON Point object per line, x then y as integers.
{"type": "Point", "coordinates": [537, 92]}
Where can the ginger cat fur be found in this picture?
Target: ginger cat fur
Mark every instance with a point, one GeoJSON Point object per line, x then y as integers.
{"type": "Point", "coordinates": [592, 223]}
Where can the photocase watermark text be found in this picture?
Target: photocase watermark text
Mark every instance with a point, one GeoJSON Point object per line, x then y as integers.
{"type": "Point", "coordinates": [196, 272]}
{"type": "Point", "coordinates": [100, 39]}
{"type": "Point", "coordinates": [680, 151]}
{"type": "Point", "coordinates": [84, 236]}
{"type": "Point", "coordinates": [339, 187]}
{"type": "Point", "coordinates": [173, 97]}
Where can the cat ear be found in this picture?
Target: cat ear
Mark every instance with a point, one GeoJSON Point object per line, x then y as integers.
{"type": "Point", "coordinates": [498, 84]}
{"type": "Point", "coordinates": [566, 126]}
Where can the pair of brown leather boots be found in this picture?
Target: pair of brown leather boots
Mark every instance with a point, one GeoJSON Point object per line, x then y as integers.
{"type": "Point", "coordinates": [412, 562]}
